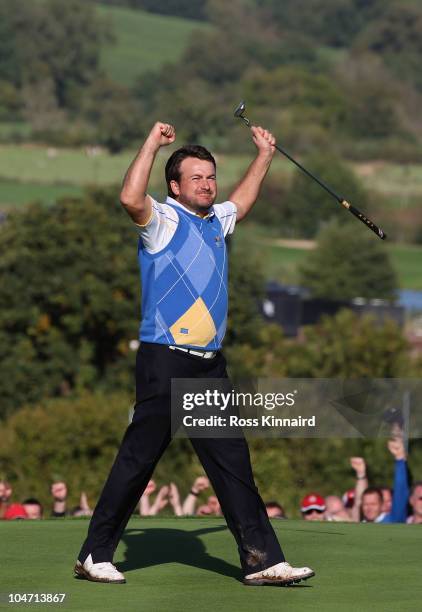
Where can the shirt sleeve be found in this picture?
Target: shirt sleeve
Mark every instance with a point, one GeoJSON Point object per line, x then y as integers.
{"type": "Point", "coordinates": [160, 227]}
{"type": "Point", "coordinates": [400, 492]}
{"type": "Point", "coordinates": [226, 214]}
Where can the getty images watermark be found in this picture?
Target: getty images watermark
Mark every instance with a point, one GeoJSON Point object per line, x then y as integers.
{"type": "Point", "coordinates": [225, 402]}
{"type": "Point", "coordinates": [316, 408]}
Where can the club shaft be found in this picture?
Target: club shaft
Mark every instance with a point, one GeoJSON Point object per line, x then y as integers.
{"type": "Point", "coordinates": [312, 176]}
{"type": "Point", "coordinates": [378, 231]}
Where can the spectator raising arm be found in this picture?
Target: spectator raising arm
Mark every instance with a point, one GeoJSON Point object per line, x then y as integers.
{"type": "Point", "coordinates": [359, 466]}
{"type": "Point", "coordinates": [144, 505]}
{"type": "Point", "coordinates": [174, 499]}
{"type": "Point", "coordinates": [160, 502]}
{"type": "Point", "coordinates": [200, 484]}
{"type": "Point", "coordinates": [398, 512]}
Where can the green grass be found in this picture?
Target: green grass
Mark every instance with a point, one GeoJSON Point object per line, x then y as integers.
{"type": "Point", "coordinates": [14, 193]}
{"type": "Point", "coordinates": [14, 129]}
{"type": "Point", "coordinates": [401, 181]}
{"type": "Point", "coordinates": [48, 165]}
{"type": "Point", "coordinates": [281, 263]}
{"type": "Point", "coordinates": [192, 564]}
{"type": "Point", "coordinates": [143, 42]}
{"type": "Point", "coordinates": [407, 261]}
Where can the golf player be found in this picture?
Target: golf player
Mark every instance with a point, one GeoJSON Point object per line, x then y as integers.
{"type": "Point", "coordinates": [183, 261]}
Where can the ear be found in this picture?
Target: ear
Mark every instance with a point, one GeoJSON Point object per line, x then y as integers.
{"type": "Point", "coordinates": [175, 187]}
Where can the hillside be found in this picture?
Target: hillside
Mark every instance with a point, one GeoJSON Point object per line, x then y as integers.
{"type": "Point", "coordinates": [143, 41]}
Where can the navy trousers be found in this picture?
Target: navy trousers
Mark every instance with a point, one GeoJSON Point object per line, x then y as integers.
{"type": "Point", "coordinates": [225, 461]}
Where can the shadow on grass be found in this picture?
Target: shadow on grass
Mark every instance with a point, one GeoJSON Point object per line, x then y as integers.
{"type": "Point", "coordinates": [156, 546]}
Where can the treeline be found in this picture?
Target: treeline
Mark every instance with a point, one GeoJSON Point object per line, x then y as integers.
{"type": "Point", "coordinates": [69, 306]}
{"type": "Point", "coordinates": [50, 74]}
{"type": "Point", "coordinates": [188, 9]}
{"type": "Point", "coordinates": [339, 76]}
{"type": "Point", "coordinates": [353, 101]}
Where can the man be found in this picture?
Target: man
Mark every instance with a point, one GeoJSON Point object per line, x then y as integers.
{"type": "Point", "coordinates": [33, 508]}
{"type": "Point", "coordinates": [387, 499]}
{"type": "Point", "coordinates": [335, 509]}
{"type": "Point", "coordinates": [275, 510]}
{"type": "Point", "coordinates": [415, 501]}
{"type": "Point", "coordinates": [372, 499]}
{"type": "Point", "coordinates": [5, 495]}
{"type": "Point", "coordinates": [183, 262]}
{"type": "Point", "coordinates": [313, 507]}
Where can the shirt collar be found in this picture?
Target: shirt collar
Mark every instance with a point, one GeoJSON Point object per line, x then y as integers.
{"type": "Point", "coordinates": [170, 200]}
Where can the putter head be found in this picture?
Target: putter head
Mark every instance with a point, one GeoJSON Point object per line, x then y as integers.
{"type": "Point", "coordinates": [239, 113]}
{"type": "Point", "coordinates": [240, 109]}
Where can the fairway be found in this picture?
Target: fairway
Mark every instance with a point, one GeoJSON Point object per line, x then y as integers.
{"type": "Point", "coordinates": [192, 564]}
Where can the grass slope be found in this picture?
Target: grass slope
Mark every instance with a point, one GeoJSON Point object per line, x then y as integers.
{"type": "Point", "coordinates": [192, 564]}
{"type": "Point", "coordinates": [143, 41]}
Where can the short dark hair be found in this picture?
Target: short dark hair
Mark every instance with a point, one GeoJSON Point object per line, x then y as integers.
{"type": "Point", "coordinates": [176, 158]}
{"type": "Point", "coordinates": [275, 504]}
{"type": "Point", "coordinates": [373, 491]}
{"type": "Point", "coordinates": [33, 502]}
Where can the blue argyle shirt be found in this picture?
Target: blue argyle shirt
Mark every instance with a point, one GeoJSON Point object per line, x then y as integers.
{"type": "Point", "coordinates": [184, 285]}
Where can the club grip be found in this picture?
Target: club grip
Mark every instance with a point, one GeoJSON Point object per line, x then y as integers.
{"type": "Point", "coordinates": [377, 230]}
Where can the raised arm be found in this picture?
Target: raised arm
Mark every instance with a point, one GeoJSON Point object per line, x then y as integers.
{"type": "Point", "coordinates": [401, 482]}
{"type": "Point", "coordinates": [247, 191]}
{"type": "Point", "coordinates": [134, 195]}
{"type": "Point", "coordinates": [359, 466]}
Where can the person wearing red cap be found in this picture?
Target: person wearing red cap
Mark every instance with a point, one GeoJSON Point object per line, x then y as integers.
{"type": "Point", "coordinates": [313, 507]}
{"type": "Point", "coordinates": [15, 511]}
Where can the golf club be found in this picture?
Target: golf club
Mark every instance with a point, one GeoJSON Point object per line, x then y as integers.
{"type": "Point", "coordinates": [239, 112]}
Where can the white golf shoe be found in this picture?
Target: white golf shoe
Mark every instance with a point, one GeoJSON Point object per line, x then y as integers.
{"type": "Point", "coordinates": [98, 572]}
{"type": "Point", "coordinates": [282, 574]}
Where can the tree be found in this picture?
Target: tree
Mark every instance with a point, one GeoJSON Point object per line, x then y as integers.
{"type": "Point", "coordinates": [330, 22]}
{"type": "Point", "coordinates": [312, 207]}
{"type": "Point", "coordinates": [349, 346]}
{"type": "Point", "coordinates": [56, 39]}
{"type": "Point", "coordinates": [348, 262]}
{"type": "Point", "coordinates": [395, 36]}
{"type": "Point", "coordinates": [69, 297]}
{"type": "Point", "coordinates": [114, 112]}
{"type": "Point", "coordinates": [75, 439]}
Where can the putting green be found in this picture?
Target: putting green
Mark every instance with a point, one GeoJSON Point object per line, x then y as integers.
{"type": "Point", "coordinates": [192, 564]}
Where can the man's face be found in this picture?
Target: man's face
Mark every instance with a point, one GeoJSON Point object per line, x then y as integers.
{"type": "Point", "coordinates": [387, 500]}
{"type": "Point", "coordinates": [214, 504]}
{"type": "Point", "coordinates": [313, 515]}
{"type": "Point", "coordinates": [197, 187]}
{"type": "Point", "coordinates": [371, 506]}
{"type": "Point", "coordinates": [5, 491]}
{"type": "Point", "coordinates": [33, 511]}
{"type": "Point", "coordinates": [416, 501]}
{"type": "Point", "coordinates": [274, 512]}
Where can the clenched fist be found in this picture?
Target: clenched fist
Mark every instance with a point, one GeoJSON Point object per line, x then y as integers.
{"type": "Point", "coordinates": [161, 135]}
{"type": "Point", "coordinates": [359, 465]}
{"type": "Point", "coordinates": [264, 140]}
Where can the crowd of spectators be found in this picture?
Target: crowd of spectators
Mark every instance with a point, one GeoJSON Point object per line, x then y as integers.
{"type": "Point", "coordinates": [371, 504]}
{"type": "Point", "coordinates": [31, 508]}
{"type": "Point", "coordinates": [363, 503]}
